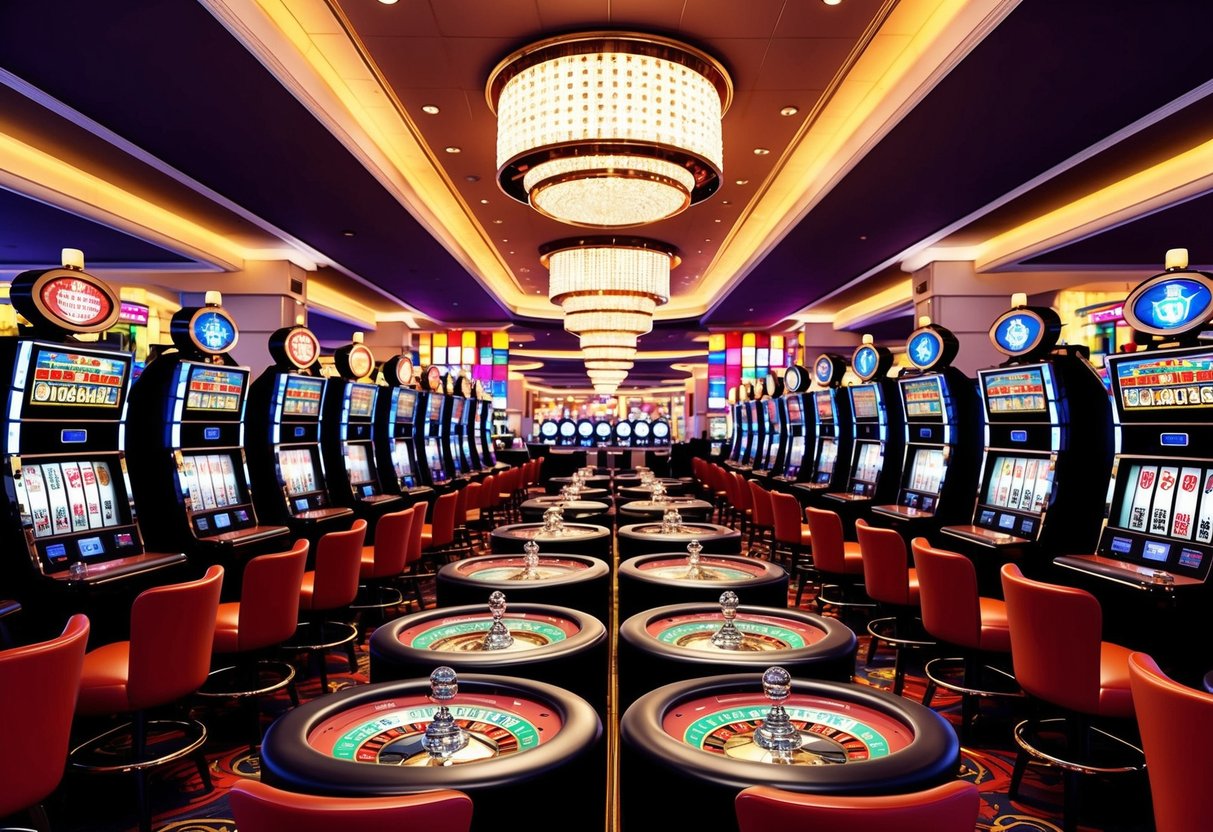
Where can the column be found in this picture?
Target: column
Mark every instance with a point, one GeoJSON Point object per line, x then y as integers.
{"type": "Point", "coordinates": [822, 337]}
{"type": "Point", "coordinates": [952, 294]}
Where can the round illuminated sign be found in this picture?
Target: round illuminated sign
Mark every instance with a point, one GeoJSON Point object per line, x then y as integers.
{"type": "Point", "coordinates": [361, 360]}
{"type": "Point", "coordinates": [823, 370]}
{"type": "Point", "coordinates": [398, 371]}
{"type": "Point", "coordinates": [865, 361]}
{"type": "Point", "coordinates": [75, 301]}
{"type": "Point", "coordinates": [67, 299]}
{"type": "Point", "coordinates": [924, 348]}
{"type": "Point", "coordinates": [828, 370]}
{"type": "Point", "coordinates": [567, 428]}
{"type": "Point", "coordinates": [1017, 332]}
{"type": "Point", "coordinates": [1171, 303]}
{"type": "Point", "coordinates": [774, 384]}
{"type": "Point", "coordinates": [302, 347]}
{"type": "Point", "coordinates": [213, 330]}
{"type": "Point", "coordinates": [433, 379]}
{"type": "Point", "coordinates": [466, 388]}
{"type": "Point", "coordinates": [795, 379]}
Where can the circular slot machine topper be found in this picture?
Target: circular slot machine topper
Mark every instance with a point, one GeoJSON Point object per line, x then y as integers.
{"type": "Point", "coordinates": [931, 346]}
{"type": "Point", "coordinates": [870, 361]}
{"type": "Point", "coordinates": [1176, 303]}
{"type": "Point", "coordinates": [1025, 331]}
{"type": "Point", "coordinates": [398, 371]}
{"type": "Point", "coordinates": [354, 360]}
{"type": "Point", "coordinates": [294, 347]}
{"type": "Point", "coordinates": [773, 384]}
{"type": "Point", "coordinates": [479, 392]}
{"type": "Point", "coordinates": [467, 387]}
{"type": "Point", "coordinates": [431, 379]}
{"type": "Point", "coordinates": [66, 299]}
{"type": "Point", "coordinates": [206, 330]}
{"type": "Point", "coordinates": [828, 369]}
{"type": "Point", "coordinates": [796, 379]}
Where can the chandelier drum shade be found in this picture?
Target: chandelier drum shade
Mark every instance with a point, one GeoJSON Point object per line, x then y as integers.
{"type": "Point", "coordinates": [609, 129]}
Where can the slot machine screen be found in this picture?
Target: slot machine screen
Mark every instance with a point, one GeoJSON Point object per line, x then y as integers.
{"type": "Point", "coordinates": [864, 404]}
{"type": "Point", "coordinates": [435, 408]}
{"type": "Point", "coordinates": [302, 396]}
{"type": "Point", "coordinates": [58, 378]}
{"type": "Point", "coordinates": [926, 470]}
{"type": "Point", "coordinates": [210, 481]}
{"type": "Point", "coordinates": [298, 467]}
{"type": "Point", "coordinates": [362, 400]}
{"type": "Point", "coordinates": [826, 458]}
{"type": "Point", "coordinates": [457, 412]}
{"type": "Point", "coordinates": [795, 456]}
{"type": "Point", "coordinates": [1021, 483]}
{"type": "Point", "coordinates": [869, 460]}
{"type": "Point", "coordinates": [406, 405]}
{"type": "Point", "coordinates": [1171, 501]}
{"type": "Point", "coordinates": [70, 496]}
{"type": "Point", "coordinates": [824, 401]}
{"type": "Point", "coordinates": [357, 464]}
{"type": "Point", "coordinates": [433, 458]}
{"type": "Point", "coordinates": [772, 411]}
{"type": "Point", "coordinates": [641, 429]}
{"type": "Point", "coordinates": [1015, 393]}
{"type": "Point", "coordinates": [402, 461]}
{"type": "Point", "coordinates": [567, 429]}
{"type": "Point", "coordinates": [1163, 386]}
{"type": "Point", "coordinates": [214, 390]}
{"type": "Point", "coordinates": [923, 398]}
{"type": "Point", "coordinates": [794, 415]}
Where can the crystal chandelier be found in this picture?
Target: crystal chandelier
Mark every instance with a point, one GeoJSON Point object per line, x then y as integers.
{"type": "Point", "coordinates": [609, 129]}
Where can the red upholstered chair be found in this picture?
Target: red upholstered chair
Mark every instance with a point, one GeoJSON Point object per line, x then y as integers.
{"type": "Point", "coordinates": [467, 515]}
{"type": "Point", "coordinates": [837, 562]}
{"type": "Point", "coordinates": [951, 807]}
{"type": "Point", "coordinates": [257, 807]}
{"type": "Point", "coordinates": [744, 504]}
{"type": "Point", "coordinates": [1061, 659]}
{"type": "Point", "coordinates": [167, 658]}
{"type": "Point", "coordinates": [954, 612]}
{"type": "Point", "coordinates": [890, 581]}
{"type": "Point", "coordinates": [793, 538]}
{"type": "Point", "coordinates": [762, 523]}
{"type": "Point", "coordinates": [1176, 724]}
{"type": "Point", "coordinates": [490, 505]}
{"type": "Point", "coordinates": [38, 688]}
{"type": "Point", "coordinates": [265, 616]}
{"type": "Point", "coordinates": [438, 535]}
{"type": "Point", "coordinates": [384, 562]}
{"type": "Point", "coordinates": [325, 593]}
{"type": "Point", "coordinates": [718, 494]}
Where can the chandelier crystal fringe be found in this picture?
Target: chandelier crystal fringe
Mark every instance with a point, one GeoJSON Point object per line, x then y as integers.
{"type": "Point", "coordinates": [609, 129]}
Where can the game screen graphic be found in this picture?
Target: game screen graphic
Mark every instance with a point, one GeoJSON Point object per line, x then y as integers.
{"type": "Point", "coordinates": [923, 398]}
{"type": "Point", "coordinates": [1015, 391]}
{"type": "Point", "coordinates": [864, 402]}
{"type": "Point", "coordinates": [1020, 483]}
{"type": "Point", "coordinates": [59, 378]}
{"type": "Point", "coordinates": [302, 396]}
{"type": "Point", "coordinates": [214, 388]}
{"type": "Point", "coordinates": [926, 470]}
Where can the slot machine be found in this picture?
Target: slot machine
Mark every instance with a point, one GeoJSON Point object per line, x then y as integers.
{"type": "Point", "coordinates": [1157, 529]}
{"type": "Point", "coordinates": [455, 421]}
{"type": "Point", "coordinates": [642, 433]}
{"type": "Point", "coordinates": [1048, 437]}
{"type": "Point", "coordinates": [567, 437]}
{"type": "Point", "coordinates": [732, 427]}
{"type": "Point", "coordinates": [488, 455]}
{"type": "Point", "coordinates": [603, 433]}
{"type": "Point", "coordinates": [796, 383]}
{"type": "Point", "coordinates": [284, 423]}
{"type": "Point", "coordinates": [347, 441]}
{"type": "Point", "coordinates": [549, 431]}
{"type": "Point", "coordinates": [436, 470]}
{"type": "Point", "coordinates": [661, 432]}
{"type": "Point", "coordinates": [471, 430]}
{"type": "Point", "coordinates": [623, 433]}
{"type": "Point", "coordinates": [762, 437]}
{"type": "Point", "coordinates": [745, 418]}
{"type": "Point", "coordinates": [831, 412]}
{"type": "Point", "coordinates": [394, 432]}
{"type": "Point", "coordinates": [585, 433]}
{"type": "Point", "coordinates": [776, 419]}
{"type": "Point", "coordinates": [73, 536]}
{"type": "Point", "coordinates": [189, 468]}
{"type": "Point", "coordinates": [938, 470]}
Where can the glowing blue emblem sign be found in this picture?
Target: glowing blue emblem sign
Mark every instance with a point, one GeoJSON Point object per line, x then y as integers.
{"type": "Point", "coordinates": [1173, 305]}
{"type": "Point", "coordinates": [924, 349]}
{"type": "Point", "coordinates": [864, 361]}
{"type": "Point", "coordinates": [213, 331]}
{"type": "Point", "coordinates": [1018, 332]}
{"type": "Point", "coordinates": [824, 370]}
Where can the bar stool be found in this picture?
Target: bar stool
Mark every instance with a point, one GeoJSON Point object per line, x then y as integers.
{"type": "Point", "coordinates": [258, 807]}
{"type": "Point", "coordinates": [762, 524]}
{"type": "Point", "coordinates": [1179, 778]}
{"type": "Point", "coordinates": [38, 688]}
{"type": "Point", "coordinates": [166, 659]}
{"type": "Point", "coordinates": [890, 581]}
{"type": "Point", "coordinates": [383, 563]}
{"type": "Point", "coordinates": [951, 807]}
{"type": "Point", "coordinates": [467, 512]}
{"type": "Point", "coordinates": [438, 536]}
{"type": "Point", "coordinates": [328, 589]}
{"type": "Point", "coordinates": [955, 613]}
{"type": "Point", "coordinates": [1060, 659]}
{"type": "Point", "coordinates": [245, 630]}
{"type": "Point", "coordinates": [793, 537]}
{"type": "Point", "coordinates": [838, 562]}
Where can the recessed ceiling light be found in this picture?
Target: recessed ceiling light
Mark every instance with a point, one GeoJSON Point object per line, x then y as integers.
{"type": "Point", "coordinates": [453, 149]}
{"type": "Point", "coordinates": [505, 241]}
{"type": "Point", "coordinates": [716, 220]}
{"type": "Point", "coordinates": [758, 151]}
{"type": "Point", "coordinates": [524, 270]}
{"type": "Point", "coordinates": [827, 2]}
{"type": "Point", "coordinates": [347, 233]}
{"type": "Point", "coordinates": [789, 111]}
{"type": "Point", "coordinates": [742, 182]}
{"type": "Point", "coordinates": [484, 202]}
{"type": "Point", "coordinates": [726, 202]}
{"type": "Point", "coordinates": [428, 109]}
{"type": "Point", "coordinates": [471, 177]}
{"type": "Point", "coordinates": [498, 222]}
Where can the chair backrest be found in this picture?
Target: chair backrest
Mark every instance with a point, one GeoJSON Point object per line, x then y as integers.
{"type": "Point", "coordinates": [948, 596]}
{"type": "Point", "coordinates": [461, 506]}
{"type": "Point", "coordinates": [825, 527]}
{"type": "Point", "coordinates": [732, 490]}
{"type": "Point", "coordinates": [415, 532]}
{"type": "Point", "coordinates": [1175, 723]}
{"type": "Point", "coordinates": [172, 633]}
{"type": "Point", "coordinates": [785, 517]}
{"type": "Point", "coordinates": [338, 564]}
{"type": "Point", "coordinates": [760, 499]}
{"type": "Point", "coordinates": [392, 534]}
{"type": "Point", "coordinates": [1056, 634]}
{"type": "Point", "coordinates": [258, 807]}
{"type": "Point", "coordinates": [886, 564]}
{"type": "Point", "coordinates": [442, 527]}
{"type": "Point", "coordinates": [38, 688]}
{"type": "Point", "coordinates": [951, 807]}
{"type": "Point", "coordinates": [269, 596]}
{"type": "Point", "coordinates": [473, 493]}
{"type": "Point", "coordinates": [744, 498]}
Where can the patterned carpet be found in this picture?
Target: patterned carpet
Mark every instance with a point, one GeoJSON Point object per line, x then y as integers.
{"type": "Point", "coordinates": [106, 803]}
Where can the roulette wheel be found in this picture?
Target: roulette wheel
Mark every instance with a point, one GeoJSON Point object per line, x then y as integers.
{"type": "Point", "coordinates": [652, 580]}
{"type": "Point", "coordinates": [532, 510]}
{"type": "Point", "coordinates": [690, 508]}
{"type": "Point", "coordinates": [568, 538]}
{"type": "Point", "coordinates": [663, 536]}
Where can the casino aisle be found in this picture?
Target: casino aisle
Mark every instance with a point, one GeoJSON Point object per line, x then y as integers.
{"type": "Point", "coordinates": [92, 804]}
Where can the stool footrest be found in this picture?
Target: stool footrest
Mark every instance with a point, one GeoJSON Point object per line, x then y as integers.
{"type": "Point", "coordinates": [1046, 740]}
{"type": "Point", "coordinates": [948, 673]}
{"type": "Point", "coordinates": [903, 632]}
{"type": "Point", "coordinates": [377, 598]}
{"type": "Point", "coordinates": [236, 682]}
{"type": "Point", "coordinates": [106, 753]}
{"type": "Point", "coordinates": [321, 635]}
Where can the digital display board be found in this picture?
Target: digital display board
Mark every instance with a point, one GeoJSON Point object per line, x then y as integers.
{"type": "Point", "coordinates": [1015, 391]}
{"type": "Point", "coordinates": [63, 378]}
{"type": "Point", "coordinates": [1158, 382]}
{"type": "Point", "coordinates": [824, 401]}
{"type": "Point", "coordinates": [434, 413]}
{"type": "Point", "coordinates": [362, 400]}
{"type": "Point", "coordinates": [1020, 483]}
{"type": "Point", "coordinates": [923, 398]}
{"type": "Point", "coordinates": [214, 388]}
{"type": "Point", "coordinates": [794, 409]}
{"type": "Point", "coordinates": [302, 396]}
{"type": "Point", "coordinates": [864, 402]}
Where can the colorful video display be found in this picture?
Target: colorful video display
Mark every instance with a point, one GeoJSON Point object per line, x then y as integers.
{"type": "Point", "coordinates": [1020, 483]}
{"type": "Point", "coordinates": [214, 389]}
{"type": "Point", "coordinates": [406, 405]}
{"type": "Point", "coordinates": [362, 400]}
{"type": "Point", "coordinates": [1169, 501]}
{"type": "Point", "coordinates": [827, 456]}
{"type": "Point", "coordinates": [357, 464]}
{"type": "Point", "coordinates": [298, 469]}
{"type": "Point", "coordinates": [1166, 383]}
{"type": "Point", "coordinates": [63, 378]}
{"type": "Point", "coordinates": [926, 470]}
{"type": "Point", "coordinates": [794, 409]}
{"type": "Point", "coordinates": [869, 459]}
{"type": "Point", "coordinates": [864, 401]}
{"type": "Point", "coordinates": [210, 480]}
{"type": "Point", "coordinates": [70, 496]}
{"type": "Point", "coordinates": [824, 402]}
{"type": "Point", "coordinates": [923, 398]}
{"type": "Point", "coordinates": [302, 396]}
{"type": "Point", "coordinates": [1015, 391]}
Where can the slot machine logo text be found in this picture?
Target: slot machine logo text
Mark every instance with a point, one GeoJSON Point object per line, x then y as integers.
{"type": "Point", "coordinates": [302, 347]}
{"type": "Point", "coordinates": [75, 301]}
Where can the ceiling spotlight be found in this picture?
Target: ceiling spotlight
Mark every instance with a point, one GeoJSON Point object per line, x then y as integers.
{"type": "Point", "coordinates": [827, 2]}
{"type": "Point", "coordinates": [347, 233]}
{"type": "Point", "coordinates": [484, 202]}
{"type": "Point", "coordinates": [742, 182]}
{"type": "Point", "coordinates": [789, 111]}
{"type": "Point", "coordinates": [759, 151]}
{"type": "Point", "coordinates": [452, 149]}
{"type": "Point", "coordinates": [428, 109]}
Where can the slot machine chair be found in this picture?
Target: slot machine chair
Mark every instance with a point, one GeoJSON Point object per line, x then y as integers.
{"type": "Point", "coordinates": [950, 807]}
{"type": "Point", "coordinates": [38, 687]}
{"type": "Point", "coordinates": [246, 630]}
{"type": "Point", "coordinates": [166, 659]}
{"type": "Point", "coordinates": [890, 581]}
{"type": "Point", "coordinates": [324, 593]}
{"type": "Point", "coordinates": [438, 535]}
{"type": "Point", "coordinates": [415, 569]}
{"type": "Point", "coordinates": [258, 807]}
{"type": "Point", "coordinates": [837, 562]}
{"type": "Point", "coordinates": [1179, 778]}
{"type": "Point", "coordinates": [467, 514]}
{"type": "Point", "coordinates": [1061, 660]}
{"type": "Point", "coordinates": [383, 563]}
{"type": "Point", "coordinates": [955, 613]}
{"type": "Point", "coordinates": [762, 524]}
{"type": "Point", "coordinates": [793, 537]}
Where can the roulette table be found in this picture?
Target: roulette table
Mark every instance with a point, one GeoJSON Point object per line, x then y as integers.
{"type": "Point", "coordinates": [582, 582]}
{"type": "Point", "coordinates": [690, 508]}
{"type": "Point", "coordinates": [646, 538]}
{"type": "Point", "coordinates": [673, 487]}
{"type": "Point", "coordinates": [527, 744]}
{"type": "Point", "coordinates": [654, 580]}
{"type": "Point", "coordinates": [700, 740]}
{"type": "Point", "coordinates": [553, 485]}
{"type": "Point", "coordinates": [572, 538]}
{"type": "Point", "coordinates": [532, 510]}
{"type": "Point", "coordinates": [557, 645]}
{"type": "Point", "coordinates": [683, 641]}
